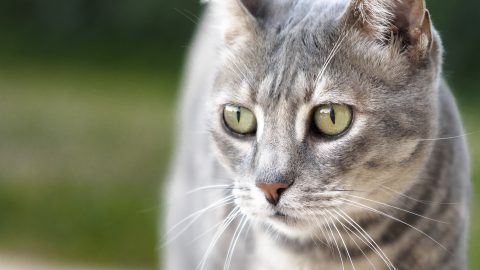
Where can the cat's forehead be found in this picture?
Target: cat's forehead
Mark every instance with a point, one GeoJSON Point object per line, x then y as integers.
{"type": "Point", "coordinates": [285, 65]}
{"type": "Point", "coordinates": [306, 55]}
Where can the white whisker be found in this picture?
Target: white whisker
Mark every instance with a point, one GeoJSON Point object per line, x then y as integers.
{"type": "Point", "coordinates": [206, 232]}
{"type": "Point", "coordinates": [323, 241]}
{"type": "Point", "coordinates": [398, 208]}
{"type": "Point", "coordinates": [374, 246]}
{"type": "Point", "coordinates": [417, 200]}
{"type": "Point", "coordinates": [195, 216]}
{"type": "Point", "coordinates": [449, 138]}
{"type": "Point", "coordinates": [334, 51]}
{"type": "Point", "coordinates": [353, 203]}
{"type": "Point", "coordinates": [336, 244]}
{"type": "Point", "coordinates": [235, 61]}
{"type": "Point", "coordinates": [222, 187]}
{"type": "Point", "coordinates": [233, 242]}
{"type": "Point", "coordinates": [341, 238]}
{"type": "Point", "coordinates": [348, 231]}
{"type": "Point", "coordinates": [228, 220]}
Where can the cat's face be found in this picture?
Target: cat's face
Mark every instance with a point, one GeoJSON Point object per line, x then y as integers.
{"type": "Point", "coordinates": [280, 71]}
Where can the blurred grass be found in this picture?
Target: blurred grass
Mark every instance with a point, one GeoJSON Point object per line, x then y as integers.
{"type": "Point", "coordinates": [472, 121]}
{"type": "Point", "coordinates": [82, 153]}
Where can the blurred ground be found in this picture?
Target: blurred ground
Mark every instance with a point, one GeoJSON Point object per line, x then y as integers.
{"type": "Point", "coordinates": [17, 263]}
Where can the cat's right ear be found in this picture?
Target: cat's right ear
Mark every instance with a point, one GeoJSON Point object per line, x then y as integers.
{"type": "Point", "coordinates": [240, 17]}
{"type": "Point", "coordinates": [406, 21]}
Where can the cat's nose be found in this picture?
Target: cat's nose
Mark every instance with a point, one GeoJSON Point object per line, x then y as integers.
{"type": "Point", "coordinates": [273, 191]}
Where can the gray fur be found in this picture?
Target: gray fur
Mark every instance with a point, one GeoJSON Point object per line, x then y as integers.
{"type": "Point", "coordinates": [269, 56]}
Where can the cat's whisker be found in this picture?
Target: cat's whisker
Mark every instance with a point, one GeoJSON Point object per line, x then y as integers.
{"type": "Point", "coordinates": [248, 229]}
{"type": "Point", "coordinates": [372, 244]}
{"type": "Point", "coordinates": [171, 201]}
{"type": "Point", "coordinates": [220, 202]}
{"type": "Point", "coordinates": [348, 231]}
{"type": "Point", "coordinates": [330, 240]}
{"type": "Point", "coordinates": [194, 216]}
{"type": "Point", "coordinates": [187, 16]}
{"type": "Point", "coordinates": [398, 208]}
{"type": "Point", "coordinates": [211, 187]}
{"type": "Point", "coordinates": [334, 51]}
{"type": "Point", "coordinates": [227, 221]}
{"type": "Point", "coordinates": [417, 200]}
{"type": "Point", "coordinates": [315, 242]}
{"type": "Point", "coordinates": [360, 205]}
{"type": "Point", "coordinates": [237, 70]}
{"type": "Point", "coordinates": [341, 238]}
{"type": "Point", "coordinates": [461, 136]}
{"type": "Point", "coordinates": [206, 232]}
{"type": "Point", "coordinates": [349, 190]}
{"type": "Point", "coordinates": [336, 244]}
{"type": "Point", "coordinates": [243, 64]}
{"type": "Point", "coordinates": [330, 56]}
{"type": "Point", "coordinates": [235, 61]}
{"type": "Point", "coordinates": [222, 187]}
{"type": "Point", "coordinates": [195, 219]}
{"type": "Point", "coordinates": [233, 242]}
{"type": "Point", "coordinates": [323, 241]}
{"type": "Point", "coordinates": [191, 14]}
{"type": "Point", "coordinates": [328, 60]}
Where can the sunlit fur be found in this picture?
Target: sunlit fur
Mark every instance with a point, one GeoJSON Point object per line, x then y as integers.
{"type": "Point", "coordinates": [387, 194]}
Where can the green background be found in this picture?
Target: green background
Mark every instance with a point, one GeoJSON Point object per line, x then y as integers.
{"type": "Point", "coordinates": [87, 106]}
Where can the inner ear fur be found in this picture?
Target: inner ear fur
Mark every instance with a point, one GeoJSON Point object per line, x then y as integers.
{"type": "Point", "coordinates": [407, 21]}
{"type": "Point", "coordinates": [254, 8]}
{"type": "Point", "coordinates": [241, 16]}
{"type": "Point", "coordinates": [412, 24]}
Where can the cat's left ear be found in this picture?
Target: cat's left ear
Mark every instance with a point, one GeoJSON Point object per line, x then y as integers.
{"type": "Point", "coordinates": [240, 17]}
{"type": "Point", "coordinates": [386, 20]}
{"type": "Point", "coordinates": [252, 8]}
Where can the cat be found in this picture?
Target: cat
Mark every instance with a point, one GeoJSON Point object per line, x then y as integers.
{"type": "Point", "coordinates": [317, 134]}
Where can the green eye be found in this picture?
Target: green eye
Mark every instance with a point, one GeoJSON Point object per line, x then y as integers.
{"type": "Point", "coordinates": [239, 119]}
{"type": "Point", "coordinates": [333, 119]}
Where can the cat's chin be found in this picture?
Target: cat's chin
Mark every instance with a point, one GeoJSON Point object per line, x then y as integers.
{"type": "Point", "coordinates": [288, 227]}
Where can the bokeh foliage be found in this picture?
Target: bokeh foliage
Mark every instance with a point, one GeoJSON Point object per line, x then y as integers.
{"type": "Point", "coordinates": [87, 98]}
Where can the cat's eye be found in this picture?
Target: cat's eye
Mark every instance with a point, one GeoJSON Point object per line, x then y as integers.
{"type": "Point", "coordinates": [332, 119]}
{"type": "Point", "coordinates": [239, 119]}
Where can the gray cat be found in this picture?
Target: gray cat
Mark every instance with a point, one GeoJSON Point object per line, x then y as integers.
{"type": "Point", "coordinates": [317, 134]}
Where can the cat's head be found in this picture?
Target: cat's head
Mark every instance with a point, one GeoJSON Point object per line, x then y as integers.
{"type": "Point", "coordinates": [318, 103]}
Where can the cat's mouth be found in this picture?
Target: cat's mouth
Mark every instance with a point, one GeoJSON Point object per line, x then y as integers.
{"type": "Point", "coordinates": [282, 223]}
{"type": "Point", "coordinates": [280, 216]}
{"type": "Point", "coordinates": [284, 218]}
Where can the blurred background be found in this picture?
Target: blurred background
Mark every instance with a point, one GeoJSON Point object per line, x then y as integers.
{"type": "Point", "coordinates": [87, 108]}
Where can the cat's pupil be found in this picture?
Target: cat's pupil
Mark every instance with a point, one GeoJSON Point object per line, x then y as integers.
{"type": "Point", "coordinates": [238, 114]}
{"type": "Point", "coordinates": [332, 114]}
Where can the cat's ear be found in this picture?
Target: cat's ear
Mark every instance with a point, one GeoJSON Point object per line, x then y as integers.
{"type": "Point", "coordinates": [251, 8]}
{"type": "Point", "coordinates": [240, 17]}
{"type": "Point", "coordinates": [390, 20]}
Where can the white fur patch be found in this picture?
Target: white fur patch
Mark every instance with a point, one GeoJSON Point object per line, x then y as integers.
{"type": "Point", "coordinates": [259, 114]}
{"type": "Point", "coordinates": [264, 86]}
{"type": "Point", "coordinates": [301, 121]}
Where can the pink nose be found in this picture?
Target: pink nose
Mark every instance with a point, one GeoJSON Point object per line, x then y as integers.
{"type": "Point", "coordinates": [272, 191]}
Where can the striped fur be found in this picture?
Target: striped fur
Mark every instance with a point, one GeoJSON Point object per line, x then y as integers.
{"type": "Point", "coordinates": [391, 193]}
